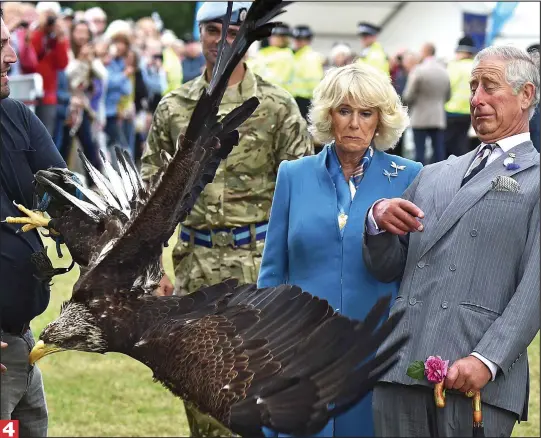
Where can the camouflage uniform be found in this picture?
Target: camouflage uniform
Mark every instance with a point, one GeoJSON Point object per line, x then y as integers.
{"type": "Point", "coordinates": [241, 193]}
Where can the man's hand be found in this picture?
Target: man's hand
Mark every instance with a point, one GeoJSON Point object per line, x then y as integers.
{"type": "Point", "coordinates": [165, 288]}
{"type": "Point", "coordinates": [398, 216]}
{"type": "Point", "coordinates": [468, 374]}
{"type": "Point", "coordinates": [3, 369]}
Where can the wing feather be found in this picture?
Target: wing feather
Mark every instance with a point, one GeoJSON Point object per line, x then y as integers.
{"type": "Point", "coordinates": [205, 142]}
{"type": "Point", "coordinates": [233, 362]}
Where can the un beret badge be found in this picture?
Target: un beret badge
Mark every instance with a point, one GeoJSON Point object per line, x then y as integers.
{"type": "Point", "coordinates": [242, 15]}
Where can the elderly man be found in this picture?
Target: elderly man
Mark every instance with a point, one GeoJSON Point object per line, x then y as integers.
{"type": "Point", "coordinates": [465, 241]}
{"type": "Point", "coordinates": [223, 236]}
{"type": "Point", "coordinates": [26, 147]}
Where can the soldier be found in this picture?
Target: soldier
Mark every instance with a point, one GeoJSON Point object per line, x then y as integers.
{"type": "Point", "coordinates": [308, 70]}
{"type": "Point", "coordinates": [223, 235]}
{"type": "Point", "coordinates": [372, 52]}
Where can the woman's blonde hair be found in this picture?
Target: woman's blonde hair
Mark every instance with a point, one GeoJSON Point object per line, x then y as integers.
{"type": "Point", "coordinates": [365, 86]}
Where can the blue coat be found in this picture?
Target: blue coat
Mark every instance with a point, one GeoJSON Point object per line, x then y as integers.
{"type": "Point", "coordinates": [304, 247]}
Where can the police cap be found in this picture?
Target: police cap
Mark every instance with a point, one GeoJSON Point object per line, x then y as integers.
{"type": "Point", "coordinates": [364, 28]}
{"type": "Point", "coordinates": [302, 32]}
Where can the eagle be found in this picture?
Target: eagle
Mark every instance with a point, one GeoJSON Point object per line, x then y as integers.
{"type": "Point", "coordinates": [246, 357]}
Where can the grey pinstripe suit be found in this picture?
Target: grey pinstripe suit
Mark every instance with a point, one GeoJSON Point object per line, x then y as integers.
{"type": "Point", "coordinates": [470, 280]}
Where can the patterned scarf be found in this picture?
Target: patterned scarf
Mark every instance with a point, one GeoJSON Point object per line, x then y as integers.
{"type": "Point", "coordinates": [345, 190]}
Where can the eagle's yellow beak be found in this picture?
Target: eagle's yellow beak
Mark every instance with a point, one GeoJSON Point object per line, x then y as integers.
{"type": "Point", "coordinates": [40, 350]}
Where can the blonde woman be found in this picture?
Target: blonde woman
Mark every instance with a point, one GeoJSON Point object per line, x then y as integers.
{"type": "Point", "coordinates": [316, 227]}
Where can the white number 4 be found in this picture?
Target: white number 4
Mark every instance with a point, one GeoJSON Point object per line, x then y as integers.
{"type": "Point", "coordinates": [8, 429]}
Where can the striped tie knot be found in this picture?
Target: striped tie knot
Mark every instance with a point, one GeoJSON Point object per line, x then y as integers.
{"type": "Point", "coordinates": [480, 161]}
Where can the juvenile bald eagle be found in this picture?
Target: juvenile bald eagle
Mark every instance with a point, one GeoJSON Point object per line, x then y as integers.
{"type": "Point", "coordinates": [247, 357]}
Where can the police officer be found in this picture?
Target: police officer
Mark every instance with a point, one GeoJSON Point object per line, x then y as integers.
{"type": "Point", "coordinates": [308, 68]}
{"type": "Point", "coordinates": [457, 108]}
{"type": "Point", "coordinates": [275, 63]}
{"type": "Point", "coordinates": [372, 52]}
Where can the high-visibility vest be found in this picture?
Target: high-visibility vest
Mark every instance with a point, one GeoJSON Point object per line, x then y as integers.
{"type": "Point", "coordinates": [376, 57]}
{"type": "Point", "coordinates": [307, 73]}
{"type": "Point", "coordinates": [275, 65]}
{"type": "Point", "coordinates": [173, 69]}
{"type": "Point", "coordinates": [459, 76]}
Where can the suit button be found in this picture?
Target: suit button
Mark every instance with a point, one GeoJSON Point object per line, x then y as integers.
{"type": "Point", "coordinates": [444, 305]}
{"type": "Point", "coordinates": [452, 267]}
{"type": "Point", "coordinates": [421, 264]}
{"type": "Point", "coordinates": [413, 301]}
{"type": "Point", "coordinates": [473, 233]}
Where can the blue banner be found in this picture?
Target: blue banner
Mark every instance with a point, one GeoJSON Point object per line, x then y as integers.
{"type": "Point", "coordinates": [475, 25]}
{"type": "Point", "coordinates": [501, 13]}
{"type": "Point", "coordinates": [195, 24]}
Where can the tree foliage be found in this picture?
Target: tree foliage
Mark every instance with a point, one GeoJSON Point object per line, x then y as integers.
{"type": "Point", "coordinates": [177, 16]}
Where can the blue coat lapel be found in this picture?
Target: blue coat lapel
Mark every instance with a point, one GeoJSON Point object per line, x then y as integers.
{"type": "Point", "coordinates": [374, 181]}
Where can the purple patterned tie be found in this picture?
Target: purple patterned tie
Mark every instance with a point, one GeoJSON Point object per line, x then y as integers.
{"type": "Point", "coordinates": [479, 162]}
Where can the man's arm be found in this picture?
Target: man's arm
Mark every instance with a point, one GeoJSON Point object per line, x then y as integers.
{"type": "Point", "coordinates": [410, 91]}
{"type": "Point", "coordinates": [385, 253]}
{"type": "Point", "coordinates": [292, 139]}
{"type": "Point", "coordinates": [158, 139]}
{"type": "Point", "coordinates": [273, 271]}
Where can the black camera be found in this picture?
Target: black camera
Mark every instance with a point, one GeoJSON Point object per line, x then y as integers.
{"type": "Point", "coordinates": [51, 20]}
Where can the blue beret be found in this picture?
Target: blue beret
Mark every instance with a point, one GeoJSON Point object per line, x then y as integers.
{"type": "Point", "coordinates": [216, 11]}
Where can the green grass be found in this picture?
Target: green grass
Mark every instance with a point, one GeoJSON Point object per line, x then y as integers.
{"type": "Point", "coordinates": [113, 395]}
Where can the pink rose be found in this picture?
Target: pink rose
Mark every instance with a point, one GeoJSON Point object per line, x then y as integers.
{"type": "Point", "coordinates": [436, 369]}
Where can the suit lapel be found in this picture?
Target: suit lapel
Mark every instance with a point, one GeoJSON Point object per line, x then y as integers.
{"type": "Point", "coordinates": [474, 190]}
{"type": "Point", "coordinates": [445, 192]}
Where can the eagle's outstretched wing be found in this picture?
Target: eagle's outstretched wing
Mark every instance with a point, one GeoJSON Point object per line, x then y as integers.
{"type": "Point", "coordinates": [205, 142]}
{"type": "Point", "coordinates": [273, 357]}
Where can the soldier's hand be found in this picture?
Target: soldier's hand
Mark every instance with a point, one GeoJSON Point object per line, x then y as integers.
{"type": "Point", "coordinates": [165, 288]}
{"type": "Point", "coordinates": [398, 216]}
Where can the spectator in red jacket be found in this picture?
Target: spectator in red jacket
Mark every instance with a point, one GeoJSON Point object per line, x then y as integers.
{"type": "Point", "coordinates": [51, 45]}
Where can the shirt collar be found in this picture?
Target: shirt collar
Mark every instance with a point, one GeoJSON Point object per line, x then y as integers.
{"type": "Point", "coordinates": [508, 143]}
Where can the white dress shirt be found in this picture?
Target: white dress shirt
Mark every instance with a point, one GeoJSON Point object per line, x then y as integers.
{"type": "Point", "coordinates": [504, 146]}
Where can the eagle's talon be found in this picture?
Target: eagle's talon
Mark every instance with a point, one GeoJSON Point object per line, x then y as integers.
{"type": "Point", "coordinates": [35, 219]}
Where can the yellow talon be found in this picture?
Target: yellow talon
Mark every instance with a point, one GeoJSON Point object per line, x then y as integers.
{"type": "Point", "coordinates": [35, 219]}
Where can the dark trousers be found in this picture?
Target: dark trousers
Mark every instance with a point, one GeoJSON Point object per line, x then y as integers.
{"type": "Point", "coordinates": [21, 387]}
{"type": "Point", "coordinates": [457, 141]}
{"type": "Point", "coordinates": [436, 136]}
{"type": "Point", "coordinates": [410, 411]}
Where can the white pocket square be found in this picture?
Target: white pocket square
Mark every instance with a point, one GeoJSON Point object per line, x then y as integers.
{"type": "Point", "coordinates": [505, 184]}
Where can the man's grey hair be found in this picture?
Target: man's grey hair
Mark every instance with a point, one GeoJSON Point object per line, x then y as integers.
{"type": "Point", "coordinates": [522, 67]}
